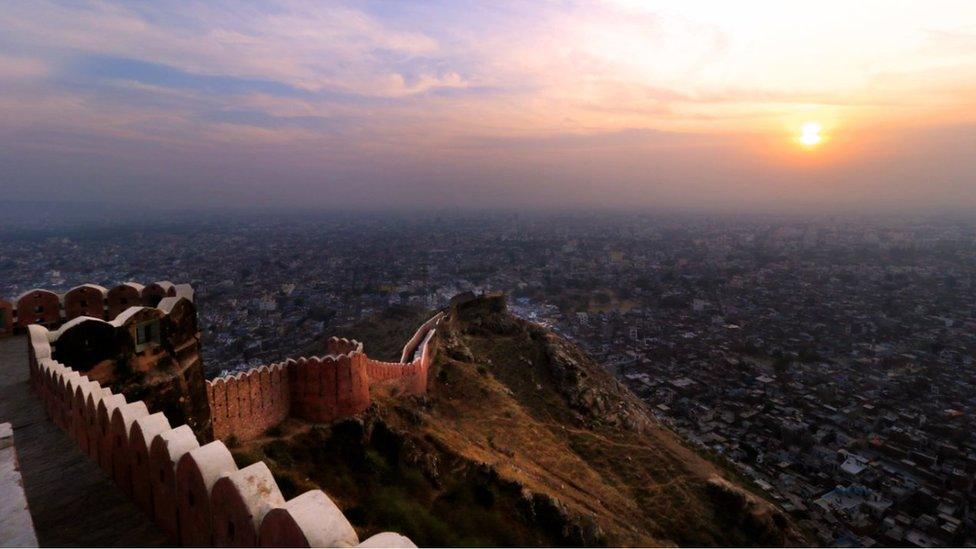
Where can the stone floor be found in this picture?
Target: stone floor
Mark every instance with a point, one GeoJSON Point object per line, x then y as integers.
{"type": "Point", "coordinates": [16, 526]}
{"type": "Point", "coordinates": [72, 501]}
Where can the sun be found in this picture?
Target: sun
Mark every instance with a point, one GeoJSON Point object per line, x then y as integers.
{"type": "Point", "coordinates": [810, 134]}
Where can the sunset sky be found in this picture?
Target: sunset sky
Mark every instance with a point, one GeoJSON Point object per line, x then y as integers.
{"type": "Point", "coordinates": [616, 104]}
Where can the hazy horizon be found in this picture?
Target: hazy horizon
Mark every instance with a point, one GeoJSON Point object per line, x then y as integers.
{"type": "Point", "coordinates": [374, 106]}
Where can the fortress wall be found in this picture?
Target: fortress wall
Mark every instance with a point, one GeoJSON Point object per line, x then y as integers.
{"type": "Point", "coordinates": [313, 394]}
{"type": "Point", "coordinates": [342, 346]}
{"type": "Point", "coordinates": [85, 342]}
{"type": "Point", "coordinates": [407, 377]}
{"type": "Point", "coordinates": [352, 385]}
{"type": "Point", "coordinates": [380, 371]}
{"type": "Point", "coordinates": [419, 380]}
{"type": "Point", "coordinates": [122, 297]}
{"type": "Point", "coordinates": [194, 493]}
{"type": "Point", "coordinates": [155, 292]}
{"type": "Point", "coordinates": [409, 350]}
{"type": "Point", "coordinates": [246, 405]}
{"type": "Point", "coordinates": [165, 452]}
{"type": "Point", "coordinates": [326, 388]}
{"type": "Point", "coordinates": [6, 318]}
{"type": "Point", "coordinates": [85, 300]}
{"type": "Point", "coordinates": [123, 418]}
{"type": "Point", "coordinates": [317, 389]}
{"type": "Point", "coordinates": [39, 307]}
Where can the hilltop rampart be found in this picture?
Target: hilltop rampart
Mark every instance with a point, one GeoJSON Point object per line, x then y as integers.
{"type": "Point", "coordinates": [152, 448]}
{"type": "Point", "coordinates": [317, 389]}
{"type": "Point", "coordinates": [51, 309]}
{"type": "Point", "coordinates": [195, 493]}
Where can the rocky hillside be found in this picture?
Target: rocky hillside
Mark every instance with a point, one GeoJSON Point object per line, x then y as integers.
{"type": "Point", "coordinates": [522, 440]}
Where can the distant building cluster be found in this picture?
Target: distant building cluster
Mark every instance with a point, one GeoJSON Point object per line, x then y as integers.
{"type": "Point", "coordinates": [830, 360]}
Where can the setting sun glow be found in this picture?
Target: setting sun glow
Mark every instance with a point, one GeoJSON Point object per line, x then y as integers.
{"type": "Point", "coordinates": [810, 134]}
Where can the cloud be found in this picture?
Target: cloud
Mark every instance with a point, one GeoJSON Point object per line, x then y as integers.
{"type": "Point", "coordinates": [495, 93]}
{"type": "Point", "coordinates": [22, 68]}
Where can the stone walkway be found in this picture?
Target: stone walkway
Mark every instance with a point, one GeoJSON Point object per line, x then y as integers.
{"type": "Point", "coordinates": [72, 501]}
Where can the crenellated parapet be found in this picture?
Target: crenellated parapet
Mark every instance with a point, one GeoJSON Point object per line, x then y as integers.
{"type": "Point", "coordinates": [145, 350]}
{"type": "Point", "coordinates": [317, 389]}
{"type": "Point", "coordinates": [196, 494]}
{"type": "Point", "coordinates": [247, 404]}
{"type": "Point", "coordinates": [326, 388]}
{"type": "Point", "coordinates": [420, 337]}
{"type": "Point", "coordinates": [342, 346]}
{"type": "Point", "coordinates": [51, 309]}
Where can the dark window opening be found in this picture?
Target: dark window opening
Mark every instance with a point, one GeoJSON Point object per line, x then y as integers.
{"type": "Point", "coordinates": [230, 530]}
{"type": "Point", "coordinates": [189, 498]}
{"type": "Point", "coordinates": [82, 303]}
{"type": "Point", "coordinates": [39, 309]}
{"type": "Point", "coordinates": [147, 332]}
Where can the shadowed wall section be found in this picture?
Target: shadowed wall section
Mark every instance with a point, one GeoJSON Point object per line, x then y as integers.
{"type": "Point", "coordinates": [85, 300]}
{"type": "Point", "coordinates": [151, 352]}
{"type": "Point", "coordinates": [39, 307]}
{"type": "Point", "coordinates": [6, 318]}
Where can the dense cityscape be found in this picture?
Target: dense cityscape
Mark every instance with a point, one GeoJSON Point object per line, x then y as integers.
{"type": "Point", "coordinates": [828, 360]}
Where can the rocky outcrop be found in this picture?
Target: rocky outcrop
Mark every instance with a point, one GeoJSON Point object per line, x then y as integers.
{"type": "Point", "coordinates": [587, 388]}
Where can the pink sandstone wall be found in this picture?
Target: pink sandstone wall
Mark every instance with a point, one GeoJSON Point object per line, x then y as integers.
{"type": "Point", "coordinates": [406, 378]}
{"type": "Point", "coordinates": [419, 337]}
{"type": "Point", "coordinates": [40, 306]}
{"type": "Point", "coordinates": [393, 374]}
{"type": "Point", "coordinates": [342, 346]}
{"type": "Point", "coordinates": [195, 493]}
{"type": "Point", "coordinates": [317, 389]}
{"type": "Point", "coordinates": [86, 300]}
{"type": "Point", "coordinates": [122, 297]}
{"type": "Point", "coordinates": [246, 405]}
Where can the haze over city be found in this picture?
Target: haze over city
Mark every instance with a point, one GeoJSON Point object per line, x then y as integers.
{"type": "Point", "coordinates": [745, 106]}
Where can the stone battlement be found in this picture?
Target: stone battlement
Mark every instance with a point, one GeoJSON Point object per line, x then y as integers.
{"type": "Point", "coordinates": [317, 389]}
{"type": "Point", "coordinates": [152, 448]}
{"type": "Point", "coordinates": [158, 345]}
{"type": "Point", "coordinates": [195, 493]}
{"type": "Point", "coordinates": [51, 309]}
{"type": "Point", "coordinates": [154, 338]}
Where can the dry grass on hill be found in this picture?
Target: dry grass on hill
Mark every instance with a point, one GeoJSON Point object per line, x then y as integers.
{"type": "Point", "coordinates": [522, 440]}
